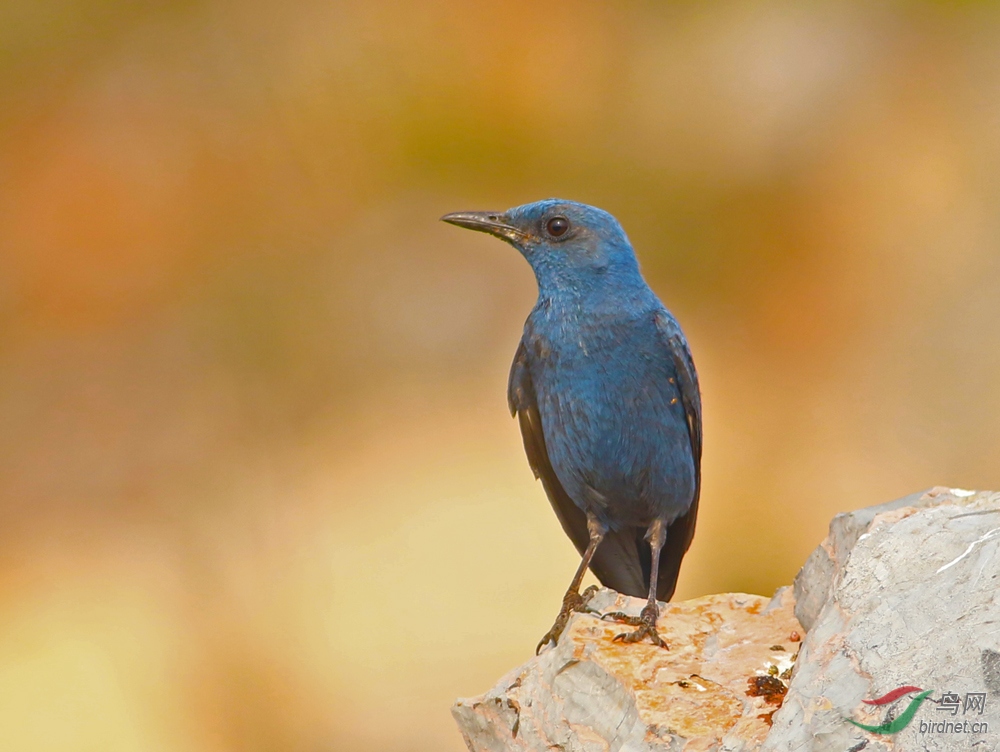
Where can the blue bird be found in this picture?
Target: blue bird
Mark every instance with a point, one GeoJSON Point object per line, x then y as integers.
{"type": "Point", "coordinates": [606, 394]}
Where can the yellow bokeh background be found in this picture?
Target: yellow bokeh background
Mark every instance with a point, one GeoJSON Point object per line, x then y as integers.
{"type": "Point", "coordinates": [259, 489]}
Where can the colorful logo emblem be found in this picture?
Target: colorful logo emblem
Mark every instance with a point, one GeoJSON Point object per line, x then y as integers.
{"type": "Point", "coordinates": [900, 722]}
{"type": "Point", "coordinates": [950, 702]}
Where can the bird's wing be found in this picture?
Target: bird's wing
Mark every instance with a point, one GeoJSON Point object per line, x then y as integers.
{"type": "Point", "coordinates": [687, 380]}
{"type": "Point", "coordinates": [617, 562]}
{"type": "Point", "coordinates": [681, 531]}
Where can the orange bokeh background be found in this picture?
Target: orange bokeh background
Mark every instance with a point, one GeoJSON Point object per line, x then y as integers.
{"type": "Point", "coordinates": [258, 486]}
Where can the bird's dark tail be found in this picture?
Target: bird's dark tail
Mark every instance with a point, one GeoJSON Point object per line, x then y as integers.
{"type": "Point", "coordinates": [623, 560]}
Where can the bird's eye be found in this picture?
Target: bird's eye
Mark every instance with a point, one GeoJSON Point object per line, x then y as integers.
{"type": "Point", "coordinates": [557, 226]}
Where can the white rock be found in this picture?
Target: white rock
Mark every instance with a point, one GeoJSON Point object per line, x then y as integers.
{"type": "Point", "coordinates": [901, 594]}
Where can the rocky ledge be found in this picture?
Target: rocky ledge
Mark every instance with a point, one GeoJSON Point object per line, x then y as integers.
{"type": "Point", "coordinates": [889, 640]}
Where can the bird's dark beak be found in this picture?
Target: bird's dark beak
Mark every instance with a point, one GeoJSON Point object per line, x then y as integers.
{"type": "Point", "coordinates": [489, 222]}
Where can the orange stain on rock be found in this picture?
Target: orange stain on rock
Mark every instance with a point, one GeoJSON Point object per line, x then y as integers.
{"type": "Point", "coordinates": [697, 688]}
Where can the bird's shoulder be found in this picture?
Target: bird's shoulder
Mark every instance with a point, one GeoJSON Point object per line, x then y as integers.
{"type": "Point", "coordinates": [671, 338]}
{"type": "Point", "coordinates": [520, 392]}
{"type": "Point", "coordinates": [687, 377]}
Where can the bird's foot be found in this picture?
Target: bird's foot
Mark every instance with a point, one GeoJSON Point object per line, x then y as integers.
{"type": "Point", "coordinates": [572, 602]}
{"type": "Point", "coordinates": [645, 625]}
{"type": "Point", "coordinates": [622, 618]}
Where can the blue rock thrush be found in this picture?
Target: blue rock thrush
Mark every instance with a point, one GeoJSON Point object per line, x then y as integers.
{"type": "Point", "coordinates": [607, 398]}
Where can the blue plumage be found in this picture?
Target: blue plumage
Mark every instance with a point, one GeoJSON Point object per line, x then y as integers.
{"type": "Point", "coordinates": [610, 406]}
{"type": "Point", "coordinates": [606, 393]}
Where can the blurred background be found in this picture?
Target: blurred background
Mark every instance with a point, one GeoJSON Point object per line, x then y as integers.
{"type": "Point", "coordinates": [259, 489]}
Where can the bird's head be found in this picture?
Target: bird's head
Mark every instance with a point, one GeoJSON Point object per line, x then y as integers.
{"type": "Point", "coordinates": [568, 244]}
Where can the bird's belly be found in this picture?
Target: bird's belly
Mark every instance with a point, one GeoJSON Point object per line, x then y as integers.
{"type": "Point", "coordinates": [618, 440]}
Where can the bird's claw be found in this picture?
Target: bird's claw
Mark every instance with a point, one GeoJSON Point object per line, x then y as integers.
{"type": "Point", "coordinates": [645, 625]}
{"type": "Point", "coordinates": [572, 601]}
{"type": "Point", "coordinates": [622, 618]}
{"type": "Point", "coordinates": [553, 634]}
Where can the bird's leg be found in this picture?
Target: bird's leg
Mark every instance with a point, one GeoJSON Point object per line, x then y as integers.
{"type": "Point", "coordinates": [646, 623]}
{"type": "Point", "coordinates": [573, 601]}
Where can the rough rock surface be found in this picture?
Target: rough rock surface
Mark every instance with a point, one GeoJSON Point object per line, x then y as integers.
{"type": "Point", "coordinates": [591, 693]}
{"type": "Point", "coordinates": [903, 594]}
{"type": "Point", "coordinates": [910, 595]}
